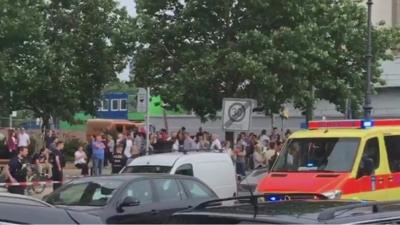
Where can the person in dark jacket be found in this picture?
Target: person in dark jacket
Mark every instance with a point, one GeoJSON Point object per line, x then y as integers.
{"type": "Point", "coordinates": [17, 170]}
{"type": "Point", "coordinates": [58, 163]}
{"type": "Point", "coordinates": [118, 160]}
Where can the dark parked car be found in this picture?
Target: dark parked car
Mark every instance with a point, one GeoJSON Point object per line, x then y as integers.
{"type": "Point", "coordinates": [18, 209]}
{"type": "Point", "coordinates": [298, 210]}
{"type": "Point", "coordinates": [132, 198]}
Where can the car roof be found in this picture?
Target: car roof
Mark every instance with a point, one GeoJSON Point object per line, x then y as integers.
{"type": "Point", "coordinates": [22, 200]}
{"type": "Point", "coordinates": [125, 177]}
{"type": "Point", "coordinates": [169, 159]}
{"type": "Point", "coordinates": [344, 132]}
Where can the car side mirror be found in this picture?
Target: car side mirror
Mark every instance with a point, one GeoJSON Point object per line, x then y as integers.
{"type": "Point", "coordinates": [367, 167]}
{"type": "Point", "coordinates": [128, 202]}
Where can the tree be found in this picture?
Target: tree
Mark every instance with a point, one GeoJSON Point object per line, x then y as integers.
{"type": "Point", "coordinates": [196, 52]}
{"type": "Point", "coordinates": [78, 47]}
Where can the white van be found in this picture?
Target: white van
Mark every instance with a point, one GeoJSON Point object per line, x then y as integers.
{"type": "Point", "coordinates": [214, 169]}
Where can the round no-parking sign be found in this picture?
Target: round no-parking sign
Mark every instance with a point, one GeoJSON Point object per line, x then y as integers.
{"type": "Point", "coordinates": [237, 114]}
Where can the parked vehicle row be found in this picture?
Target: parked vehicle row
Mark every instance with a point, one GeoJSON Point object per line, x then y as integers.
{"type": "Point", "coordinates": [132, 198]}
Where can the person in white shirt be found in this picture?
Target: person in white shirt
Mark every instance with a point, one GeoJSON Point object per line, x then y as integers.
{"type": "Point", "coordinates": [216, 144]}
{"type": "Point", "coordinates": [23, 138]}
{"type": "Point", "coordinates": [264, 139]}
{"type": "Point", "coordinates": [259, 157]}
{"type": "Point", "coordinates": [80, 161]}
{"type": "Point", "coordinates": [128, 147]}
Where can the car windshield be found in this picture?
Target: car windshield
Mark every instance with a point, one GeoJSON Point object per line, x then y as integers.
{"type": "Point", "coordinates": [91, 193]}
{"type": "Point", "coordinates": [317, 154]}
{"type": "Point", "coordinates": [147, 169]}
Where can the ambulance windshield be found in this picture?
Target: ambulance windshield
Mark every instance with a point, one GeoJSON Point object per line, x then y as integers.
{"type": "Point", "coordinates": [317, 154]}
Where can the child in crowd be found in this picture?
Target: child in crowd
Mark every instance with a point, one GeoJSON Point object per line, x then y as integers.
{"type": "Point", "coordinates": [118, 160]}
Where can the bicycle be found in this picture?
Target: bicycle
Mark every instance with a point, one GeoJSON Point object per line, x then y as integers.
{"type": "Point", "coordinates": [34, 176]}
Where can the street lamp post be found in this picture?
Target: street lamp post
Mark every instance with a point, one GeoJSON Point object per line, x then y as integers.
{"type": "Point", "coordinates": [367, 102]}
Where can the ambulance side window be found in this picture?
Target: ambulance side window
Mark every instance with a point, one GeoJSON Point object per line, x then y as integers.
{"type": "Point", "coordinates": [393, 152]}
{"type": "Point", "coordinates": [371, 150]}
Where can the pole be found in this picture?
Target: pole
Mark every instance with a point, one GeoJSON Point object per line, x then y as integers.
{"type": "Point", "coordinates": [147, 120]}
{"type": "Point", "coordinates": [11, 96]}
{"type": "Point", "coordinates": [367, 104]}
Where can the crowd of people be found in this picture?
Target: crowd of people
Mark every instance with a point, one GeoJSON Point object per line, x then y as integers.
{"type": "Point", "coordinates": [249, 151]}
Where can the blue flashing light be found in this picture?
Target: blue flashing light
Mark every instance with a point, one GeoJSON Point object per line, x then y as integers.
{"type": "Point", "coordinates": [272, 198]}
{"type": "Point", "coordinates": [310, 164]}
{"type": "Point", "coordinates": [304, 125]}
{"type": "Point", "coordinates": [367, 124]}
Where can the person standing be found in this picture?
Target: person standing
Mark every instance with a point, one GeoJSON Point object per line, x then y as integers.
{"type": "Point", "coordinates": [23, 138]}
{"type": "Point", "coordinates": [118, 160]}
{"type": "Point", "coordinates": [135, 153]}
{"type": "Point", "coordinates": [12, 144]}
{"type": "Point", "coordinates": [275, 136]}
{"type": "Point", "coordinates": [188, 143]}
{"type": "Point", "coordinates": [215, 144]}
{"type": "Point", "coordinates": [106, 150]}
{"type": "Point", "coordinates": [80, 161]}
{"type": "Point", "coordinates": [228, 149]}
{"type": "Point", "coordinates": [259, 157]}
{"type": "Point", "coordinates": [128, 146]}
{"type": "Point", "coordinates": [58, 163]}
{"type": "Point", "coordinates": [264, 139]}
{"type": "Point", "coordinates": [240, 160]}
{"type": "Point", "coordinates": [50, 138]}
{"type": "Point", "coordinates": [98, 155]}
{"type": "Point", "coordinates": [17, 170]}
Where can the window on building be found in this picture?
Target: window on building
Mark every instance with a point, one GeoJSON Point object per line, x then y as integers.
{"type": "Point", "coordinates": [105, 105]}
{"type": "Point", "coordinates": [392, 144]}
{"type": "Point", "coordinates": [123, 106]}
{"type": "Point", "coordinates": [114, 105]}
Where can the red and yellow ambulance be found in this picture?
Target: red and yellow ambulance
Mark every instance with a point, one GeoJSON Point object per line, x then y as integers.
{"type": "Point", "coordinates": [348, 159]}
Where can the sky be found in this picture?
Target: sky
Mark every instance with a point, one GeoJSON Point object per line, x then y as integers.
{"type": "Point", "coordinates": [131, 7]}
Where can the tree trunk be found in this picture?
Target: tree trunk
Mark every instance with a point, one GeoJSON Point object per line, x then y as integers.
{"type": "Point", "coordinates": [309, 112]}
{"type": "Point", "coordinates": [45, 123]}
{"type": "Point", "coordinates": [165, 119]}
{"type": "Point", "coordinates": [272, 121]}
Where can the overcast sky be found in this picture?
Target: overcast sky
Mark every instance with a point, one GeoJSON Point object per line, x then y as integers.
{"type": "Point", "coordinates": [131, 7]}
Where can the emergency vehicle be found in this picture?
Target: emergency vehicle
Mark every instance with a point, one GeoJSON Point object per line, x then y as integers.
{"type": "Point", "coordinates": [343, 159]}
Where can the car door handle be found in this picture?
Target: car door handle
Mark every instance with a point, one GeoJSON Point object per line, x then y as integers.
{"type": "Point", "coordinates": [154, 212]}
{"type": "Point", "coordinates": [189, 207]}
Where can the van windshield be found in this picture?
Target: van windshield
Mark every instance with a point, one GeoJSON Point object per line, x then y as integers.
{"type": "Point", "coordinates": [317, 154]}
{"type": "Point", "coordinates": [147, 169]}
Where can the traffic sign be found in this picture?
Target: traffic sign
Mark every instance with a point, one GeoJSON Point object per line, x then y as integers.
{"type": "Point", "coordinates": [237, 114]}
{"type": "Point", "coordinates": [141, 100]}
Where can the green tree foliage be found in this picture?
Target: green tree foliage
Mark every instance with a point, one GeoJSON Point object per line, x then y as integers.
{"type": "Point", "coordinates": [196, 52]}
{"type": "Point", "coordinates": [60, 54]}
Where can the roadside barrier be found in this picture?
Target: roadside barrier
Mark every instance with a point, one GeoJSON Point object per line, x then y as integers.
{"type": "Point", "coordinates": [48, 182]}
{"type": "Point", "coordinates": [30, 183]}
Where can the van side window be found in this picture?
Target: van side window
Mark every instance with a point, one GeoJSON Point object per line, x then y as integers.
{"type": "Point", "coordinates": [393, 152]}
{"type": "Point", "coordinates": [371, 150]}
{"type": "Point", "coordinates": [185, 169]}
